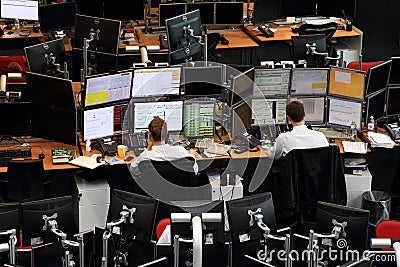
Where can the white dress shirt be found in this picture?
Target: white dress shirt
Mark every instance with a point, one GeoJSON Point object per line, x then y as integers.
{"type": "Point", "coordinates": [162, 153]}
{"type": "Point", "coordinates": [299, 138]}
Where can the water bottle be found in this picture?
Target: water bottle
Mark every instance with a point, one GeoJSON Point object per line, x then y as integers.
{"type": "Point", "coordinates": [16, 26]}
{"type": "Point", "coordinates": [353, 131]}
{"type": "Point", "coordinates": [371, 123]}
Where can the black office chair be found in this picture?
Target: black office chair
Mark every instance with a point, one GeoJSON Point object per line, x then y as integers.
{"type": "Point", "coordinates": [328, 29]}
{"type": "Point", "coordinates": [25, 180]}
{"type": "Point", "coordinates": [212, 42]}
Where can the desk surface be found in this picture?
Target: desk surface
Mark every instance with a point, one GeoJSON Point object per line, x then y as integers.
{"type": "Point", "coordinates": [17, 36]}
{"type": "Point", "coordinates": [284, 33]}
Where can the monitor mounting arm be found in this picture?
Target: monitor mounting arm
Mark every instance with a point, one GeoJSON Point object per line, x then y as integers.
{"type": "Point", "coordinates": [201, 39]}
{"type": "Point", "coordinates": [51, 61]}
{"type": "Point", "coordinates": [126, 217]}
{"type": "Point", "coordinates": [10, 246]}
{"type": "Point", "coordinates": [311, 49]}
{"type": "Point", "coordinates": [93, 36]}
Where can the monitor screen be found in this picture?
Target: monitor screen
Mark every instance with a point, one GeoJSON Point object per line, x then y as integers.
{"type": "Point", "coordinates": [57, 16]}
{"type": "Point", "coordinates": [341, 112]}
{"type": "Point", "coordinates": [104, 121]}
{"type": "Point", "coordinates": [171, 112]}
{"type": "Point", "coordinates": [272, 82]}
{"type": "Point", "coordinates": [40, 58]}
{"type": "Point", "coordinates": [143, 218]}
{"type": "Point", "coordinates": [393, 97]}
{"type": "Point", "coordinates": [378, 77]}
{"type": "Point", "coordinates": [33, 222]}
{"type": "Point", "coordinates": [106, 33]}
{"type": "Point", "coordinates": [241, 87]}
{"type": "Point", "coordinates": [156, 82]}
{"type": "Point", "coordinates": [17, 117]}
{"type": "Point", "coordinates": [9, 219]}
{"type": "Point", "coordinates": [266, 10]}
{"type": "Point", "coordinates": [229, 13]}
{"type": "Point", "coordinates": [206, 11]}
{"type": "Point", "coordinates": [346, 83]}
{"type": "Point", "coordinates": [19, 9]}
{"type": "Point", "coordinates": [309, 81]}
{"type": "Point", "coordinates": [108, 88]}
{"type": "Point", "coordinates": [166, 11]}
{"type": "Point", "coordinates": [202, 80]}
{"type": "Point", "coordinates": [241, 117]}
{"type": "Point", "coordinates": [199, 118]}
{"type": "Point", "coordinates": [328, 8]}
{"type": "Point", "coordinates": [314, 108]}
{"type": "Point", "coordinates": [375, 105]}
{"type": "Point", "coordinates": [124, 9]}
{"type": "Point", "coordinates": [298, 8]}
{"type": "Point", "coordinates": [53, 117]}
{"type": "Point", "coordinates": [394, 78]}
{"type": "Point", "coordinates": [268, 111]}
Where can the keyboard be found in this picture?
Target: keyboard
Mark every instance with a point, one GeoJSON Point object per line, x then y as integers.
{"type": "Point", "coordinates": [331, 133]}
{"type": "Point", "coordinates": [7, 155]}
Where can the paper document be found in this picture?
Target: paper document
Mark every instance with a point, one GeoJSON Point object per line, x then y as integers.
{"type": "Point", "coordinates": [87, 162]}
{"type": "Point", "coordinates": [380, 140]}
{"type": "Point", "coordinates": [355, 147]}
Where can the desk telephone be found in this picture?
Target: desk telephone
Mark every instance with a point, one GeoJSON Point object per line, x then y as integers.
{"type": "Point", "coordinates": [138, 142]}
{"type": "Point", "coordinates": [391, 124]}
{"type": "Point", "coordinates": [107, 146]}
{"type": "Point", "coordinates": [265, 31]}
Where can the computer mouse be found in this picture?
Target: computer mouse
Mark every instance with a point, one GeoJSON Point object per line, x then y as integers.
{"type": "Point", "coordinates": [41, 156]}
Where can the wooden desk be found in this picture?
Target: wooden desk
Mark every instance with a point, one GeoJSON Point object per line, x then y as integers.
{"type": "Point", "coordinates": [17, 36]}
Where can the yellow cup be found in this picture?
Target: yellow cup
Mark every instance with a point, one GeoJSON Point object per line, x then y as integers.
{"type": "Point", "coordinates": [122, 150]}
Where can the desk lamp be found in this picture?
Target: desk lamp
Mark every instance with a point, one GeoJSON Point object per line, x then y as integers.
{"type": "Point", "coordinates": [50, 222]}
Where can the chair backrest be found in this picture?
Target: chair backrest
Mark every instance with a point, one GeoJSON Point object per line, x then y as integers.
{"type": "Point", "coordinates": [25, 180]}
{"type": "Point", "coordinates": [161, 226]}
{"type": "Point", "coordinates": [388, 229]}
{"type": "Point", "coordinates": [328, 29]}
{"type": "Point", "coordinates": [365, 66]}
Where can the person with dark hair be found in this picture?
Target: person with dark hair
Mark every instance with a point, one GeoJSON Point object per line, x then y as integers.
{"type": "Point", "coordinates": [300, 137]}
{"type": "Point", "coordinates": [157, 149]}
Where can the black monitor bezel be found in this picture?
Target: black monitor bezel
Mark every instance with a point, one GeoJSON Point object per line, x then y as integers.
{"type": "Point", "coordinates": [305, 70]}
{"type": "Point", "coordinates": [201, 6]}
{"type": "Point", "coordinates": [395, 63]}
{"type": "Point", "coordinates": [168, 6]}
{"type": "Point", "coordinates": [392, 100]}
{"type": "Point", "coordinates": [371, 74]}
{"type": "Point", "coordinates": [63, 13]}
{"type": "Point", "coordinates": [328, 98]}
{"type": "Point", "coordinates": [317, 122]}
{"type": "Point", "coordinates": [274, 99]}
{"type": "Point", "coordinates": [220, 8]}
{"type": "Point", "coordinates": [274, 95]}
{"type": "Point", "coordinates": [202, 84]}
{"type": "Point", "coordinates": [184, 117]}
{"type": "Point", "coordinates": [368, 104]}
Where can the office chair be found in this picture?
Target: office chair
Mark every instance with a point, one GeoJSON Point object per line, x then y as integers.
{"type": "Point", "coordinates": [328, 29]}
{"type": "Point", "coordinates": [365, 66]}
{"type": "Point", "coordinates": [212, 42]}
{"type": "Point", "coordinates": [388, 229]}
{"type": "Point", "coordinates": [25, 180]}
{"type": "Point", "coordinates": [306, 176]}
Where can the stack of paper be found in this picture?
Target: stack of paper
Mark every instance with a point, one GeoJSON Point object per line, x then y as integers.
{"type": "Point", "coordinates": [354, 147]}
{"type": "Point", "coordinates": [380, 140]}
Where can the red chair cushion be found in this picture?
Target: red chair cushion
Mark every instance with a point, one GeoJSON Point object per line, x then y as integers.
{"type": "Point", "coordinates": [161, 226]}
{"type": "Point", "coordinates": [388, 229]}
{"type": "Point", "coordinates": [13, 64]}
{"type": "Point", "coordinates": [365, 66]}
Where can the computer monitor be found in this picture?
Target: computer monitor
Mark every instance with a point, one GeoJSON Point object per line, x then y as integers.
{"type": "Point", "coordinates": [271, 82]}
{"type": "Point", "coordinates": [357, 223]}
{"type": "Point", "coordinates": [90, 8]}
{"type": "Point", "coordinates": [327, 8]}
{"type": "Point", "coordinates": [378, 77]}
{"type": "Point", "coordinates": [346, 83]}
{"type": "Point", "coordinates": [299, 49]}
{"type": "Point", "coordinates": [108, 88]}
{"type": "Point", "coordinates": [98, 63]}
{"type": "Point", "coordinates": [161, 262]}
{"type": "Point", "coordinates": [106, 33]}
{"type": "Point", "coordinates": [124, 9]}
{"type": "Point", "coordinates": [314, 108]}
{"type": "Point", "coordinates": [39, 58]}
{"type": "Point", "coordinates": [269, 111]}
{"type": "Point", "coordinates": [157, 82]}
{"type": "Point", "coordinates": [202, 80]}
{"type": "Point", "coordinates": [266, 10]}
{"type": "Point", "coordinates": [143, 218]}
{"type": "Point", "coordinates": [199, 118]}
{"type": "Point", "coordinates": [206, 11]}
{"type": "Point", "coordinates": [16, 119]}
{"type": "Point", "coordinates": [241, 118]}
{"type": "Point", "coordinates": [309, 81]}
{"type": "Point", "coordinates": [296, 8]}
{"type": "Point", "coordinates": [171, 112]}
{"type": "Point", "coordinates": [229, 13]}
{"type": "Point", "coordinates": [241, 88]}
{"type": "Point", "coordinates": [239, 219]}
{"type": "Point", "coordinates": [9, 219]}
{"type": "Point", "coordinates": [341, 112]}
{"type": "Point", "coordinates": [58, 16]}
{"type": "Point", "coordinates": [177, 31]}
{"type": "Point", "coordinates": [53, 109]}
{"type": "Point", "coordinates": [166, 11]}
{"type": "Point", "coordinates": [394, 77]}
{"type": "Point", "coordinates": [33, 220]}
{"type": "Point", "coordinates": [105, 121]}
{"type": "Point", "coordinates": [392, 106]}
{"type": "Point", "coordinates": [19, 9]}
{"type": "Point", "coordinates": [375, 105]}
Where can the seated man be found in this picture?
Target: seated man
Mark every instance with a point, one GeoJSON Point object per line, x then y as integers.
{"type": "Point", "coordinates": [300, 137]}
{"type": "Point", "coordinates": [158, 150]}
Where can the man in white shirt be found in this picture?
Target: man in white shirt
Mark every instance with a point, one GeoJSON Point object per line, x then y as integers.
{"type": "Point", "coordinates": [300, 137]}
{"type": "Point", "coordinates": [158, 150]}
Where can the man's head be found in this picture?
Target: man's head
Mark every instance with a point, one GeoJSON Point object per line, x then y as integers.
{"type": "Point", "coordinates": [158, 129]}
{"type": "Point", "coordinates": [295, 112]}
